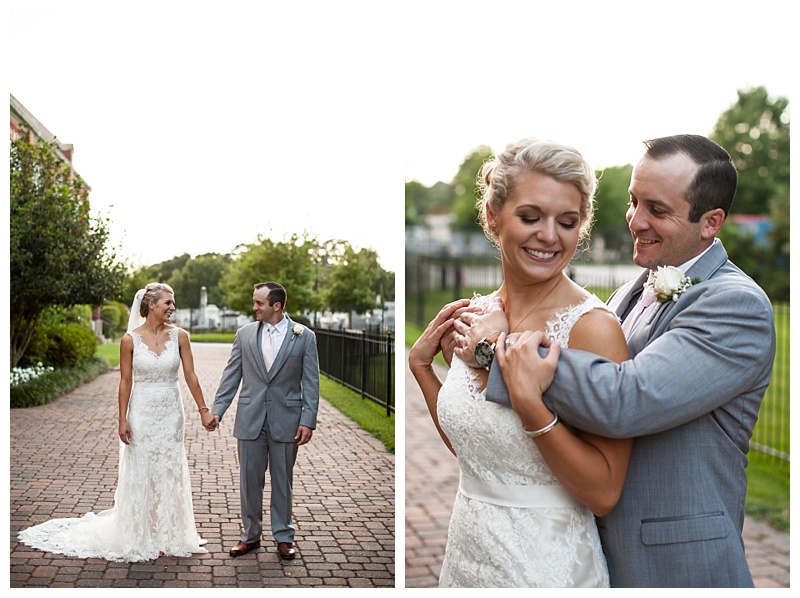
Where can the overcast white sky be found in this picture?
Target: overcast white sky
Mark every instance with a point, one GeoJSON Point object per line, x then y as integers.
{"type": "Point", "coordinates": [602, 76]}
{"type": "Point", "coordinates": [200, 125]}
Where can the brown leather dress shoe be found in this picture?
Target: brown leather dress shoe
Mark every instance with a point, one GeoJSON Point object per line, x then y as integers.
{"type": "Point", "coordinates": [243, 548]}
{"type": "Point", "coordinates": [286, 550]}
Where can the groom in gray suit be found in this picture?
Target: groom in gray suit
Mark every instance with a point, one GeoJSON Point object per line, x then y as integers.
{"type": "Point", "coordinates": [701, 360]}
{"type": "Point", "coordinates": [276, 362]}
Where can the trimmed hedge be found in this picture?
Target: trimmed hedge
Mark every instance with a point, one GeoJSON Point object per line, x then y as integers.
{"type": "Point", "coordinates": [52, 385]}
{"type": "Point", "coordinates": [60, 345]}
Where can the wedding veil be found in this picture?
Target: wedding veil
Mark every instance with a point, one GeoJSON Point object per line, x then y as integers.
{"type": "Point", "coordinates": [135, 319]}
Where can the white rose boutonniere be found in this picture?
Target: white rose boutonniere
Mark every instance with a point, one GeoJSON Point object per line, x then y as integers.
{"type": "Point", "coordinates": [669, 282]}
{"type": "Point", "coordinates": [297, 330]}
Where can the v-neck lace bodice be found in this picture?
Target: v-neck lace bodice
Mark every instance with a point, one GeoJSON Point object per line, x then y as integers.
{"type": "Point", "coordinates": [149, 366]}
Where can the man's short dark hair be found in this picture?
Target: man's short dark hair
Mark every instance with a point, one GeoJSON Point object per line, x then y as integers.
{"type": "Point", "coordinates": [714, 184]}
{"type": "Point", "coordinates": [276, 292]}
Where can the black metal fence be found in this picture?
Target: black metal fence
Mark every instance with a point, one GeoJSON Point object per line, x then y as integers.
{"type": "Point", "coordinates": [432, 282]}
{"type": "Point", "coordinates": [361, 361]}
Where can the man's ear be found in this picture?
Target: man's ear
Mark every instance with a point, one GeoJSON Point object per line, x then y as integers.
{"type": "Point", "coordinates": [711, 222]}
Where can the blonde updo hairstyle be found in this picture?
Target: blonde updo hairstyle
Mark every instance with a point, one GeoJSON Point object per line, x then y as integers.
{"type": "Point", "coordinates": [152, 292]}
{"type": "Point", "coordinates": [497, 178]}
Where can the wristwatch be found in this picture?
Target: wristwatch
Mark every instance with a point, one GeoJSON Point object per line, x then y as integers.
{"type": "Point", "coordinates": [484, 351]}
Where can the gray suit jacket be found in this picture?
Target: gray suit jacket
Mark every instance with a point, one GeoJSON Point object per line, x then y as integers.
{"type": "Point", "coordinates": [288, 394]}
{"type": "Point", "coordinates": [690, 398]}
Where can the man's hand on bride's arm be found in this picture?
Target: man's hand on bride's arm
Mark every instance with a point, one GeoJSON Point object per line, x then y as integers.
{"type": "Point", "coordinates": [436, 337]}
{"type": "Point", "coordinates": [471, 328]}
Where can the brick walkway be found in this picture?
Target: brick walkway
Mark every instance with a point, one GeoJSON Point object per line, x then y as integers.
{"type": "Point", "coordinates": [63, 463]}
{"type": "Point", "coordinates": [432, 481]}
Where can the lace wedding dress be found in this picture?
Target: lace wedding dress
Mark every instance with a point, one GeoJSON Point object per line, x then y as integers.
{"type": "Point", "coordinates": [513, 524]}
{"type": "Point", "coordinates": [152, 510]}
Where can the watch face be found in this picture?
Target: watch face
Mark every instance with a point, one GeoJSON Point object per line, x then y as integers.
{"type": "Point", "coordinates": [484, 353]}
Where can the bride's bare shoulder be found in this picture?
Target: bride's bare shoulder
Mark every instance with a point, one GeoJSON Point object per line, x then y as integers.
{"type": "Point", "coordinates": [599, 331]}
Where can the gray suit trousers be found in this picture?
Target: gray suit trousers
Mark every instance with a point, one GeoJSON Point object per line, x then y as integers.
{"type": "Point", "coordinates": [255, 457]}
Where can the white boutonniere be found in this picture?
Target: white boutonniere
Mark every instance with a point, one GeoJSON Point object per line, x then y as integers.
{"type": "Point", "coordinates": [297, 330]}
{"type": "Point", "coordinates": [669, 282]}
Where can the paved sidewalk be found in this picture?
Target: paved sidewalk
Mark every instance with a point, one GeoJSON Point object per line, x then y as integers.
{"type": "Point", "coordinates": [63, 463]}
{"type": "Point", "coordinates": [432, 481]}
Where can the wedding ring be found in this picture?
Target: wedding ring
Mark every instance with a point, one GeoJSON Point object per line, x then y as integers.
{"type": "Point", "coordinates": [509, 342]}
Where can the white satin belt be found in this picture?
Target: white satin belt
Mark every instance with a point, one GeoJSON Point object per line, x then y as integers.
{"type": "Point", "coordinates": [156, 384]}
{"type": "Point", "coordinates": [526, 497]}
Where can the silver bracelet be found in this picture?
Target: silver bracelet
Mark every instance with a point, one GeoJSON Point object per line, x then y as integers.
{"type": "Point", "coordinates": [545, 430]}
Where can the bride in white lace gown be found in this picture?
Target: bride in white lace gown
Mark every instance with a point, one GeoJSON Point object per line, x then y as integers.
{"type": "Point", "coordinates": [523, 514]}
{"type": "Point", "coordinates": [152, 513]}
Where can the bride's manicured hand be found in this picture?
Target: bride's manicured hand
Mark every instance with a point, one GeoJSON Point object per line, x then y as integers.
{"type": "Point", "coordinates": [526, 373]}
{"type": "Point", "coordinates": [430, 341]}
{"type": "Point", "coordinates": [470, 328]}
{"type": "Point", "coordinates": [125, 431]}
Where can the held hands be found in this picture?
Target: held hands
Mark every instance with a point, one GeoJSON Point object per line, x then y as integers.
{"type": "Point", "coordinates": [210, 422]}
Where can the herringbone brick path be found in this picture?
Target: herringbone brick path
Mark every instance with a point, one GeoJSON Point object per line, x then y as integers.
{"type": "Point", "coordinates": [63, 463]}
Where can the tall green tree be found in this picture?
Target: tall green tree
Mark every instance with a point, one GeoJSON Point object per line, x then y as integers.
{"type": "Point", "coordinates": [611, 203]}
{"type": "Point", "coordinates": [415, 192]}
{"type": "Point", "coordinates": [358, 281]}
{"type": "Point", "coordinates": [59, 253]}
{"type": "Point", "coordinates": [755, 131]}
{"type": "Point", "coordinates": [465, 215]}
{"type": "Point", "coordinates": [289, 262]}
{"type": "Point", "coordinates": [205, 270]}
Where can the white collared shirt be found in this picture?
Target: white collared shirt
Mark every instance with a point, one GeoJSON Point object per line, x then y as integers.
{"type": "Point", "coordinates": [685, 266]}
{"type": "Point", "coordinates": [281, 328]}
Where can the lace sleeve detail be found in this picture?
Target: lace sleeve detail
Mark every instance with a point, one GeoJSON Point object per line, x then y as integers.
{"type": "Point", "coordinates": [560, 325]}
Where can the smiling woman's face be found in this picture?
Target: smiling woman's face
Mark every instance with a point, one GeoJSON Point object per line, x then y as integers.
{"type": "Point", "coordinates": [538, 227]}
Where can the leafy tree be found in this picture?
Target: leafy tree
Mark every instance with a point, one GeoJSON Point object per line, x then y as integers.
{"type": "Point", "coordinates": [58, 252]}
{"type": "Point", "coordinates": [465, 216]}
{"type": "Point", "coordinates": [611, 203]}
{"type": "Point", "coordinates": [422, 200]}
{"type": "Point", "coordinates": [163, 271]}
{"type": "Point", "coordinates": [755, 131]}
{"type": "Point", "coordinates": [415, 191]}
{"type": "Point", "coordinates": [203, 271]}
{"type": "Point", "coordinates": [290, 263]}
{"type": "Point", "coordinates": [135, 280]}
{"type": "Point", "coordinates": [357, 282]}
{"type": "Point", "coordinates": [115, 319]}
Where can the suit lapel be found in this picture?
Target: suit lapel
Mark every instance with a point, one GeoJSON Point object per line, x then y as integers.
{"type": "Point", "coordinates": [258, 352]}
{"type": "Point", "coordinates": [703, 269]}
